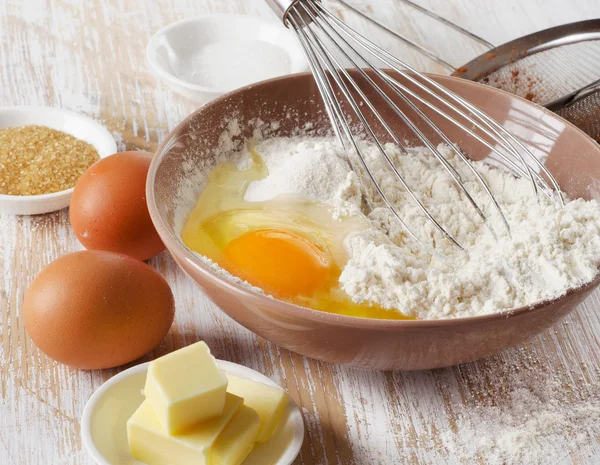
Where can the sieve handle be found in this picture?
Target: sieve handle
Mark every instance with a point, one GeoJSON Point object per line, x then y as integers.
{"type": "Point", "coordinates": [574, 97]}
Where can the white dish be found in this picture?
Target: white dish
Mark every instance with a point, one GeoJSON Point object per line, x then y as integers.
{"type": "Point", "coordinates": [242, 50]}
{"type": "Point", "coordinates": [104, 420]}
{"type": "Point", "coordinates": [79, 126]}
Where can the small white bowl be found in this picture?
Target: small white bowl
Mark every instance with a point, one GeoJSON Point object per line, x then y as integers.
{"type": "Point", "coordinates": [79, 126]}
{"type": "Point", "coordinates": [207, 56]}
{"type": "Point", "coordinates": [104, 420]}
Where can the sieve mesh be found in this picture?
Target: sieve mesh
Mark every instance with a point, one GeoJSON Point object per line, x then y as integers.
{"type": "Point", "coordinates": [548, 75]}
{"type": "Point", "coordinates": [585, 114]}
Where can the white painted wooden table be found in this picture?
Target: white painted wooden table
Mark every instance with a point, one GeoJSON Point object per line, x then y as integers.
{"type": "Point", "coordinates": [88, 56]}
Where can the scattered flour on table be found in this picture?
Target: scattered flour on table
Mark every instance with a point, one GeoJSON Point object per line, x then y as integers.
{"type": "Point", "coordinates": [535, 417]}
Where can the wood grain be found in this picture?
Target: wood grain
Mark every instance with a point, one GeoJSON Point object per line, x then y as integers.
{"type": "Point", "coordinates": [88, 56]}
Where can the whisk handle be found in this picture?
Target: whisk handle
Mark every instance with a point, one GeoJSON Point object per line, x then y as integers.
{"type": "Point", "coordinates": [282, 8]}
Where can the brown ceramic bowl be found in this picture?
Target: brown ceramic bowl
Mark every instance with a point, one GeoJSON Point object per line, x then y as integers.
{"type": "Point", "coordinates": [569, 154]}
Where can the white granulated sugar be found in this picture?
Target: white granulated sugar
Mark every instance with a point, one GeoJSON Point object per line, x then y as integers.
{"type": "Point", "coordinates": [233, 63]}
{"type": "Point", "coordinates": [551, 249]}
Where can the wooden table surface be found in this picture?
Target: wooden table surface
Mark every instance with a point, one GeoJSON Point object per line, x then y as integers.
{"type": "Point", "coordinates": [88, 56]}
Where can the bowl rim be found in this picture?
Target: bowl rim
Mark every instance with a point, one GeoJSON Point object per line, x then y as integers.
{"type": "Point", "coordinates": [37, 109]}
{"type": "Point", "coordinates": [334, 318]}
{"type": "Point", "coordinates": [161, 72]}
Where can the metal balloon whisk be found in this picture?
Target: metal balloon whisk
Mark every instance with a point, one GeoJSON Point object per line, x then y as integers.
{"type": "Point", "coordinates": [326, 41]}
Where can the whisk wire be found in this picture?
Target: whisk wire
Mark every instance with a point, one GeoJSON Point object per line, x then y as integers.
{"type": "Point", "coordinates": [429, 13]}
{"type": "Point", "coordinates": [337, 118]}
{"type": "Point", "coordinates": [320, 52]}
{"type": "Point", "coordinates": [515, 167]}
{"type": "Point", "coordinates": [420, 48]}
{"type": "Point", "coordinates": [453, 173]}
{"type": "Point", "coordinates": [332, 107]}
{"type": "Point", "coordinates": [432, 107]}
{"type": "Point", "coordinates": [315, 27]}
{"type": "Point", "coordinates": [497, 130]}
{"type": "Point", "coordinates": [387, 58]}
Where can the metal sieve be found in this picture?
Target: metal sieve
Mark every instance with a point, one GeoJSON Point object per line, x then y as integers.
{"type": "Point", "coordinates": [558, 68]}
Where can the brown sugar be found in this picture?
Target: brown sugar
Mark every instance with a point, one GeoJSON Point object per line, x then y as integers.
{"type": "Point", "coordinates": [38, 160]}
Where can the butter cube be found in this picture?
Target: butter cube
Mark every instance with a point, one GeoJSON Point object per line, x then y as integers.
{"type": "Point", "coordinates": [150, 443]}
{"type": "Point", "coordinates": [185, 387]}
{"type": "Point", "coordinates": [237, 440]}
{"type": "Point", "coordinates": [269, 403]}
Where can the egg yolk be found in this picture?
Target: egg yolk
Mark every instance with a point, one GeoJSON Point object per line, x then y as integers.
{"type": "Point", "coordinates": [290, 247]}
{"type": "Point", "coordinates": [282, 263]}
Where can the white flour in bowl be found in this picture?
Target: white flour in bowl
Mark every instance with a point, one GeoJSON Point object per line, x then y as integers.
{"type": "Point", "coordinates": [551, 249]}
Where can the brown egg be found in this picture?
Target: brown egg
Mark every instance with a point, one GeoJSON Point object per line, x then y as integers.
{"type": "Point", "coordinates": [109, 210]}
{"type": "Point", "coordinates": [96, 309]}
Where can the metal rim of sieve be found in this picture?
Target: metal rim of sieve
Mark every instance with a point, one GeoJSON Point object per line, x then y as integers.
{"type": "Point", "coordinates": [547, 39]}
